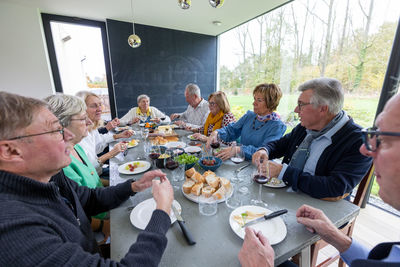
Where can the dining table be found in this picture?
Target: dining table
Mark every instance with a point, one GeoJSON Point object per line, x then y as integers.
{"type": "Point", "coordinates": [216, 242]}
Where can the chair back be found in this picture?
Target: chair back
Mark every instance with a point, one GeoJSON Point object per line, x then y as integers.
{"type": "Point", "coordinates": [348, 229]}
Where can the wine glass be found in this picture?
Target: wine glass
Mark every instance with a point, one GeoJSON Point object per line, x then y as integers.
{"type": "Point", "coordinates": [144, 133]}
{"type": "Point", "coordinates": [261, 176]}
{"type": "Point", "coordinates": [238, 156]}
{"type": "Point", "coordinates": [214, 145]}
{"type": "Point", "coordinates": [154, 153]}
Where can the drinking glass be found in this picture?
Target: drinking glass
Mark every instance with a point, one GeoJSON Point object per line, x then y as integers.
{"type": "Point", "coordinates": [234, 200]}
{"type": "Point", "coordinates": [261, 176]}
{"type": "Point", "coordinates": [208, 206]}
{"type": "Point", "coordinates": [144, 133]}
{"type": "Point", "coordinates": [214, 146]}
{"type": "Point", "coordinates": [238, 156]}
{"type": "Point", "coordinates": [154, 154]}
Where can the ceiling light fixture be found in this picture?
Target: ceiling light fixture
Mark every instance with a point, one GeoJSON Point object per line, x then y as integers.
{"type": "Point", "coordinates": [216, 3]}
{"type": "Point", "coordinates": [184, 4]}
{"type": "Point", "coordinates": [217, 23]}
{"type": "Point", "coordinates": [133, 40]}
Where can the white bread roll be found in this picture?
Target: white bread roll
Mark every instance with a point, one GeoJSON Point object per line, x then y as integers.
{"type": "Point", "coordinates": [198, 178]}
{"type": "Point", "coordinates": [225, 183]}
{"type": "Point", "coordinates": [189, 173]}
{"type": "Point", "coordinates": [207, 191]}
{"type": "Point", "coordinates": [212, 180]}
{"type": "Point", "coordinates": [196, 189]}
{"type": "Point", "coordinates": [187, 186]}
{"type": "Point", "coordinates": [220, 193]}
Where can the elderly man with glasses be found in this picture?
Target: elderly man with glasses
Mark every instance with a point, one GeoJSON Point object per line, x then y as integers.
{"type": "Point", "coordinates": [45, 217]}
{"type": "Point", "coordinates": [383, 145]}
{"type": "Point", "coordinates": [320, 156]}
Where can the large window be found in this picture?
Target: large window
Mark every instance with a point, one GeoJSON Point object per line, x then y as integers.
{"type": "Point", "coordinates": [79, 57]}
{"type": "Point", "coordinates": [345, 39]}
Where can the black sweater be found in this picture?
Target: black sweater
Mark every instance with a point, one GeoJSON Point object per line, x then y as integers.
{"type": "Point", "coordinates": [46, 224]}
{"type": "Point", "coordinates": [339, 169]}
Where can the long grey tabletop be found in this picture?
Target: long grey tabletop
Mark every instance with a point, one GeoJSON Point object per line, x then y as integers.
{"type": "Point", "coordinates": [217, 244]}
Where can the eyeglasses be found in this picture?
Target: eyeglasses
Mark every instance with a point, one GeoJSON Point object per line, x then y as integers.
{"type": "Point", "coordinates": [302, 104]}
{"type": "Point", "coordinates": [61, 131]}
{"type": "Point", "coordinates": [212, 103]}
{"type": "Point", "coordinates": [371, 138]}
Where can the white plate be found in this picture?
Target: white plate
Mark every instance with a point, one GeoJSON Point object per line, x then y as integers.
{"type": "Point", "coordinates": [274, 229]}
{"type": "Point", "coordinates": [144, 166]}
{"type": "Point", "coordinates": [273, 185]}
{"type": "Point", "coordinates": [175, 145]}
{"type": "Point", "coordinates": [141, 214]}
{"type": "Point", "coordinates": [197, 199]}
{"type": "Point", "coordinates": [192, 149]}
{"type": "Point", "coordinates": [142, 124]}
{"type": "Point", "coordinates": [130, 146]}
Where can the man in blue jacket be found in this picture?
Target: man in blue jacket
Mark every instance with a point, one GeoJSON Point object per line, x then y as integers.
{"type": "Point", "coordinates": [383, 145]}
{"type": "Point", "coordinates": [321, 155]}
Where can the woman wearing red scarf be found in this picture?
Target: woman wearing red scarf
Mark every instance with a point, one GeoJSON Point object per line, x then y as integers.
{"type": "Point", "coordinates": [219, 116]}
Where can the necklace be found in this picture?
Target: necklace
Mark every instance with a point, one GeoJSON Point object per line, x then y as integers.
{"type": "Point", "coordinates": [261, 125]}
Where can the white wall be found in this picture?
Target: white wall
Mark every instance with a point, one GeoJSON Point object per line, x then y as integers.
{"type": "Point", "coordinates": [24, 67]}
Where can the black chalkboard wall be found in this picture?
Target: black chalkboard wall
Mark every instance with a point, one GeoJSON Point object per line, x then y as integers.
{"type": "Point", "coordinates": [161, 67]}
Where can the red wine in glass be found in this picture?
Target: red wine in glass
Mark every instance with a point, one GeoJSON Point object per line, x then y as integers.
{"type": "Point", "coordinates": [260, 179]}
{"type": "Point", "coordinates": [171, 165]}
{"type": "Point", "coordinates": [154, 155]}
{"type": "Point", "coordinates": [214, 145]}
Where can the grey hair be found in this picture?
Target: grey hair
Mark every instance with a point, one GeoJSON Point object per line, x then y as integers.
{"type": "Point", "coordinates": [139, 98]}
{"type": "Point", "coordinates": [193, 89]}
{"type": "Point", "coordinates": [326, 91]}
{"type": "Point", "coordinates": [17, 113]}
{"type": "Point", "coordinates": [65, 106]}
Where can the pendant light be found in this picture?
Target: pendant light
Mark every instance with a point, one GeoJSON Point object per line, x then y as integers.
{"type": "Point", "coordinates": [216, 3]}
{"type": "Point", "coordinates": [184, 4]}
{"type": "Point", "coordinates": [133, 40]}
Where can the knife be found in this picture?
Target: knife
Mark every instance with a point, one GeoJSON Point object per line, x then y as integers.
{"type": "Point", "coordinates": [243, 167]}
{"type": "Point", "coordinates": [185, 231]}
{"type": "Point", "coordinates": [266, 217]}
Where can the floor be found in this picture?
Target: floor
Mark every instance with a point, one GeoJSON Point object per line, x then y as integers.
{"type": "Point", "coordinates": [373, 226]}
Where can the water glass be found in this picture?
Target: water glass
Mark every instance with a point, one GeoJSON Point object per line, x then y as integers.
{"type": "Point", "coordinates": [234, 201]}
{"type": "Point", "coordinates": [208, 206]}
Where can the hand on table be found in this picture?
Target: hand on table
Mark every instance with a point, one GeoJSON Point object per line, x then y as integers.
{"type": "Point", "coordinates": [118, 148]}
{"type": "Point", "coordinates": [135, 120]}
{"type": "Point", "coordinates": [146, 180]}
{"type": "Point", "coordinates": [174, 116]}
{"type": "Point", "coordinates": [112, 124]}
{"type": "Point", "coordinates": [163, 194]}
{"type": "Point", "coordinates": [200, 137]}
{"type": "Point", "coordinates": [226, 153]}
{"type": "Point", "coordinates": [256, 250]}
{"type": "Point", "coordinates": [260, 154]}
{"type": "Point", "coordinates": [316, 222]}
{"type": "Point", "coordinates": [124, 134]}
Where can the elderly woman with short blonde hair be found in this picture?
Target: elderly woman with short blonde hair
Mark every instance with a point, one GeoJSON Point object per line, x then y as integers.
{"type": "Point", "coordinates": [144, 112]}
{"type": "Point", "coordinates": [256, 128]}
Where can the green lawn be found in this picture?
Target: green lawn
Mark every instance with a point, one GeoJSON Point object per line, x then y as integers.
{"type": "Point", "coordinates": [361, 109]}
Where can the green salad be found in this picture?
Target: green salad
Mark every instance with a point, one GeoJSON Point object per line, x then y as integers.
{"type": "Point", "coordinates": [187, 159]}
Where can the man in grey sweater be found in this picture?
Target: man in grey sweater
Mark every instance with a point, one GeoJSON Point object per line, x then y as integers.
{"type": "Point", "coordinates": [44, 218]}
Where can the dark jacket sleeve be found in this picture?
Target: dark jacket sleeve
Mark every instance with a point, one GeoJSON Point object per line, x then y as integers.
{"type": "Point", "coordinates": [102, 130]}
{"type": "Point", "coordinates": [340, 168]}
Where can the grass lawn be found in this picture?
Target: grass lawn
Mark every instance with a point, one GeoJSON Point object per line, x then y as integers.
{"type": "Point", "coordinates": [361, 109]}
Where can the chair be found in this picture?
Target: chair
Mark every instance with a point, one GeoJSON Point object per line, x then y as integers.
{"type": "Point", "coordinates": [347, 229]}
